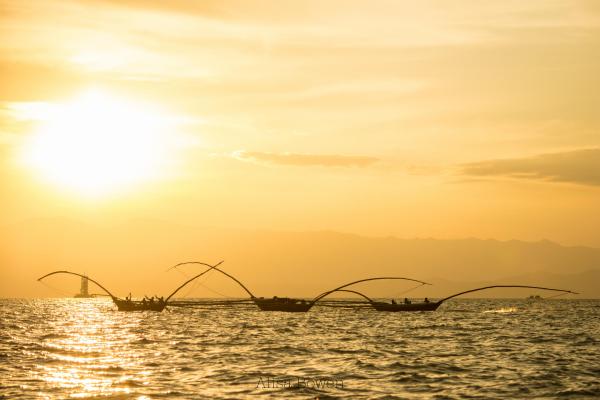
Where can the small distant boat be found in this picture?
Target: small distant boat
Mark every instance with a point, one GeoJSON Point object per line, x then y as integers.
{"type": "Point", "coordinates": [83, 290]}
{"type": "Point", "coordinates": [128, 304]}
{"type": "Point", "coordinates": [288, 304]}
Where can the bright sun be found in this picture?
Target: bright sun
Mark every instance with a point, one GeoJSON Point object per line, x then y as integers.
{"type": "Point", "coordinates": [97, 144]}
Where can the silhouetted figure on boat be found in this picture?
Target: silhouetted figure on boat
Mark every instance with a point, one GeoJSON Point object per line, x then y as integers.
{"type": "Point", "coordinates": [426, 300]}
{"type": "Point", "coordinates": [393, 301]}
{"type": "Point", "coordinates": [407, 301]}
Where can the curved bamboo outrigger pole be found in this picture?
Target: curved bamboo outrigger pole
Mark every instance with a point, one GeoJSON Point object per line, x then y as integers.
{"type": "Point", "coordinates": [350, 291]}
{"type": "Point", "coordinates": [81, 275]}
{"type": "Point", "coordinates": [365, 280]}
{"type": "Point", "coordinates": [216, 269]}
{"type": "Point", "coordinates": [504, 286]}
{"type": "Point", "coordinates": [195, 277]}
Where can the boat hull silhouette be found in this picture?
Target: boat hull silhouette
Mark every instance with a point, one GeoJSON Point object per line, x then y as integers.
{"type": "Point", "coordinates": [130, 305]}
{"type": "Point", "coordinates": [380, 306]}
{"type": "Point", "coordinates": [283, 304]}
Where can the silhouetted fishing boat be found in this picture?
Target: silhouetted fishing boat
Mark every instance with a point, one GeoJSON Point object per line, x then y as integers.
{"type": "Point", "coordinates": [282, 304]}
{"type": "Point", "coordinates": [434, 305]}
{"type": "Point", "coordinates": [128, 304]}
{"type": "Point", "coordinates": [288, 304]}
{"type": "Point", "coordinates": [382, 306]}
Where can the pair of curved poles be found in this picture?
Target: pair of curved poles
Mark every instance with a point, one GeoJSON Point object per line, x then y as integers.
{"type": "Point", "coordinates": [288, 304]}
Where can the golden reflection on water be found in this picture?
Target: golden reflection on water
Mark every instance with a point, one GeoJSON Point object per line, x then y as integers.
{"type": "Point", "coordinates": [90, 355]}
{"type": "Point", "coordinates": [503, 310]}
{"type": "Point", "coordinates": [84, 348]}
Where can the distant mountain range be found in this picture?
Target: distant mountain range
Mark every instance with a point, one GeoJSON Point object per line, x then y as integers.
{"type": "Point", "coordinates": [134, 255]}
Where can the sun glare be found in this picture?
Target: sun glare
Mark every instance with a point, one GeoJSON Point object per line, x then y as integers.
{"type": "Point", "coordinates": [97, 144]}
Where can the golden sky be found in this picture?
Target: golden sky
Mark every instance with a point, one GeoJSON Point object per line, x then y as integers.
{"type": "Point", "coordinates": [412, 119]}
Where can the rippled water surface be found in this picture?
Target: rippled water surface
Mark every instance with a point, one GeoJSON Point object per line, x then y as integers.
{"type": "Point", "coordinates": [83, 348]}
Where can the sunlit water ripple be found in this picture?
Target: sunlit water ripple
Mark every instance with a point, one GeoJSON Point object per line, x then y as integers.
{"type": "Point", "coordinates": [83, 348]}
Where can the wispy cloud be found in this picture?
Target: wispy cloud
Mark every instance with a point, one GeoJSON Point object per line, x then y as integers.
{"type": "Point", "coordinates": [324, 160]}
{"type": "Point", "coordinates": [578, 166]}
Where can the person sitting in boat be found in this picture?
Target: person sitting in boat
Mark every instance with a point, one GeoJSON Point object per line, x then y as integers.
{"type": "Point", "coordinates": [161, 299]}
{"type": "Point", "coordinates": [406, 301]}
{"type": "Point", "coordinates": [393, 301]}
{"type": "Point", "coordinates": [144, 301]}
{"type": "Point", "coordinates": [426, 300]}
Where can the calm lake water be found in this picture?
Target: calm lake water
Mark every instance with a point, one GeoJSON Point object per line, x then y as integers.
{"type": "Point", "coordinates": [83, 348]}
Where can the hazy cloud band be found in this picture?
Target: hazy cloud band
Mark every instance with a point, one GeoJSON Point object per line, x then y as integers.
{"type": "Point", "coordinates": [578, 166]}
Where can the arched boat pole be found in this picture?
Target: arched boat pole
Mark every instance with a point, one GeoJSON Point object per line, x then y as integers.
{"type": "Point", "coordinates": [83, 276]}
{"type": "Point", "coordinates": [195, 277]}
{"type": "Point", "coordinates": [504, 286]}
{"type": "Point", "coordinates": [364, 280]}
{"type": "Point", "coordinates": [216, 269]}
{"type": "Point", "coordinates": [350, 291]}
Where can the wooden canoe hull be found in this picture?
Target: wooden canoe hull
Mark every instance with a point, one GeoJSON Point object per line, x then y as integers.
{"type": "Point", "coordinates": [380, 306]}
{"type": "Point", "coordinates": [283, 304]}
{"type": "Point", "coordinates": [124, 305]}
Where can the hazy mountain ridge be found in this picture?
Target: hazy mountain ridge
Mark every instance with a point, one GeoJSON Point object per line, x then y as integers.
{"type": "Point", "coordinates": [134, 256]}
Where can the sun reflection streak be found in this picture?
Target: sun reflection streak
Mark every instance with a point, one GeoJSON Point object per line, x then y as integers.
{"type": "Point", "coordinates": [503, 310]}
{"type": "Point", "coordinates": [92, 354]}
